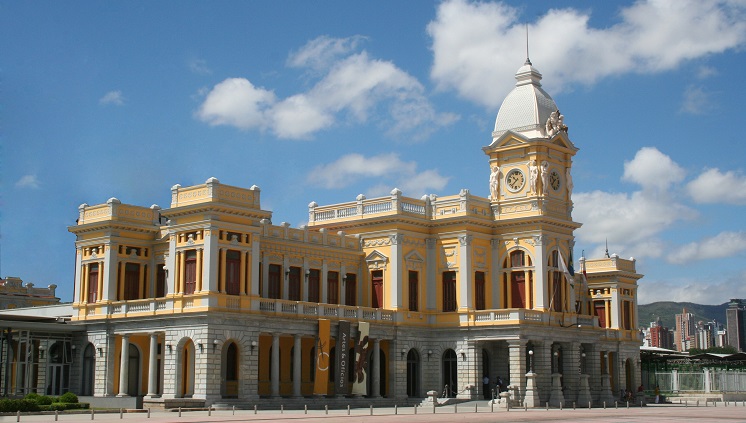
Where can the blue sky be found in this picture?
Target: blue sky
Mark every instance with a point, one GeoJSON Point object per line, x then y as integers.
{"type": "Point", "coordinates": [321, 101]}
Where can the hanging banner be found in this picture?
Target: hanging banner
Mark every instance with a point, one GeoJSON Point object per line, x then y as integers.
{"type": "Point", "coordinates": [321, 382]}
{"type": "Point", "coordinates": [362, 348]}
{"type": "Point", "coordinates": [343, 358]}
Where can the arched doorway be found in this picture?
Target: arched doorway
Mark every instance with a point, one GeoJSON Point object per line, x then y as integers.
{"type": "Point", "coordinates": [89, 366]}
{"type": "Point", "coordinates": [413, 374]}
{"type": "Point", "coordinates": [231, 367]}
{"type": "Point", "coordinates": [186, 371]}
{"type": "Point", "coordinates": [133, 375]}
{"type": "Point", "coordinates": [450, 373]}
{"type": "Point", "coordinates": [58, 368]}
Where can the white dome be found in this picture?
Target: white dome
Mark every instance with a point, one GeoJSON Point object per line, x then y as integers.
{"type": "Point", "coordinates": [526, 109]}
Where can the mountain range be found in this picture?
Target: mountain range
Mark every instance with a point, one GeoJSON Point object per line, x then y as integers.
{"type": "Point", "coordinates": [667, 311]}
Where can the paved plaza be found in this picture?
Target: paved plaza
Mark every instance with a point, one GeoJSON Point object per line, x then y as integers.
{"type": "Point", "coordinates": [464, 413]}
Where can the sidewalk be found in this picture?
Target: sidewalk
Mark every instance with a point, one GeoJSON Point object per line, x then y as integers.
{"type": "Point", "coordinates": [464, 413]}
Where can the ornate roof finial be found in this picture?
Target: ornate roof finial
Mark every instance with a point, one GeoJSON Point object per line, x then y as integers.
{"type": "Point", "coordinates": [528, 61]}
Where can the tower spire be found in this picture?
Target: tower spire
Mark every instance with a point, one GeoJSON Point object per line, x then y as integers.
{"type": "Point", "coordinates": [607, 248]}
{"type": "Point", "coordinates": [528, 61]}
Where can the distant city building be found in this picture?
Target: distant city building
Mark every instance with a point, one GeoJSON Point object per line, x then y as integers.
{"type": "Point", "coordinates": [14, 294]}
{"type": "Point", "coordinates": [735, 324]}
{"type": "Point", "coordinates": [685, 331]}
{"type": "Point", "coordinates": [721, 338]}
{"type": "Point", "coordinates": [705, 334]}
{"type": "Point", "coordinates": [660, 336]}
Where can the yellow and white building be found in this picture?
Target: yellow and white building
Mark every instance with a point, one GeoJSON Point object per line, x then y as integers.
{"type": "Point", "coordinates": [207, 301]}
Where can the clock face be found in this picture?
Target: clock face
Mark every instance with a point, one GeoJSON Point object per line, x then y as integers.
{"type": "Point", "coordinates": [554, 180]}
{"type": "Point", "coordinates": [515, 180]}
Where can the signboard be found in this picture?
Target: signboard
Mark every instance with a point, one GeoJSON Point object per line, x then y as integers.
{"type": "Point", "coordinates": [343, 358]}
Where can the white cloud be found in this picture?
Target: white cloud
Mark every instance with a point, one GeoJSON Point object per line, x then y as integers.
{"type": "Point", "coordinates": [474, 43]}
{"type": "Point", "coordinates": [713, 186]}
{"type": "Point", "coordinates": [322, 52]}
{"type": "Point", "coordinates": [355, 87]}
{"type": "Point", "coordinates": [621, 217]}
{"type": "Point", "coordinates": [384, 168]}
{"type": "Point", "coordinates": [652, 169]}
{"type": "Point", "coordinates": [696, 101]}
{"type": "Point", "coordinates": [28, 181]}
{"type": "Point", "coordinates": [704, 292]}
{"type": "Point", "coordinates": [199, 66]}
{"type": "Point", "coordinates": [633, 221]}
{"type": "Point", "coordinates": [724, 244]}
{"type": "Point", "coordinates": [236, 102]}
{"type": "Point", "coordinates": [112, 97]}
{"type": "Point", "coordinates": [705, 72]}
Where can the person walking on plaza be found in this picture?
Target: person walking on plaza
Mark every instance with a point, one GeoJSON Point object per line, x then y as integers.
{"type": "Point", "coordinates": [486, 386]}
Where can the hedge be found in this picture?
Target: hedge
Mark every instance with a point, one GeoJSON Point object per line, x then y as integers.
{"type": "Point", "coordinates": [8, 405]}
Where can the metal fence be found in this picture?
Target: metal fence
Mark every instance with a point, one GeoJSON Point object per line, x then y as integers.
{"type": "Point", "coordinates": [704, 381]}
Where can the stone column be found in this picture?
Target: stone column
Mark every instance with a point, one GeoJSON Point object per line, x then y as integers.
{"type": "Point", "coordinates": [395, 285]}
{"type": "Point", "coordinates": [110, 272]}
{"type": "Point", "coordinates": [255, 256]}
{"type": "Point", "coordinates": [152, 364]}
{"type": "Point", "coordinates": [243, 282]}
{"type": "Point", "coordinates": [616, 308]}
{"type": "Point", "coordinates": [324, 287]}
{"type": "Point", "coordinates": [431, 274]}
{"type": "Point", "coordinates": [376, 381]}
{"type": "Point", "coordinates": [495, 273]}
{"type": "Point", "coordinates": [221, 284]}
{"type": "Point", "coordinates": [79, 277]}
{"type": "Point", "coordinates": [543, 368]}
{"type": "Point", "coordinates": [275, 369]}
{"type": "Point", "coordinates": [210, 260]}
{"type": "Point", "coordinates": [518, 366]}
{"type": "Point", "coordinates": [124, 367]}
{"type": "Point", "coordinates": [466, 277]}
{"type": "Point", "coordinates": [296, 365]}
{"type": "Point", "coordinates": [606, 395]}
{"type": "Point", "coordinates": [83, 298]}
{"type": "Point", "coordinates": [200, 260]}
{"type": "Point", "coordinates": [540, 283]}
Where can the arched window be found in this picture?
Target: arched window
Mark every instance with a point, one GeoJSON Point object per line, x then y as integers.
{"type": "Point", "coordinates": [89, 367]}
{"type": "Point", "coordinates": [413, 374]}
{"type": "Point", "coordinates": [519, 286]}
{"type": "Point", "coordinates": [231, 370]}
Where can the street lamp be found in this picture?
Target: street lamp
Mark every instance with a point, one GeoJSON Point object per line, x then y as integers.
{"type": "Point", "coordinates": [530, 360]}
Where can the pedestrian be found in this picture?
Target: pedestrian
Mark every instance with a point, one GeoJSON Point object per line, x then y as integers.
{"type": "Point", "coordinates": [486, 387]}
{"type": "Point", "coordinates": [657, 394]}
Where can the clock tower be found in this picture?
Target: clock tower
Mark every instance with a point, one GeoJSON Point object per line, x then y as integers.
{"type": "Point", "coordinates": [530, 159]}
{"type": "Point", "coordinates": [530, 153]}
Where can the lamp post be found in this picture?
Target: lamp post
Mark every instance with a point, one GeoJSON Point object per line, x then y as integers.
{"type": "Point", "coordinates": [530, 360]}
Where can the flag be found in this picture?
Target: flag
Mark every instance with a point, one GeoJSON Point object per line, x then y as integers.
{"type": "Point", "coordinates": [563, 268]}
{"type": "Point", "coordinates": [570, 267]}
